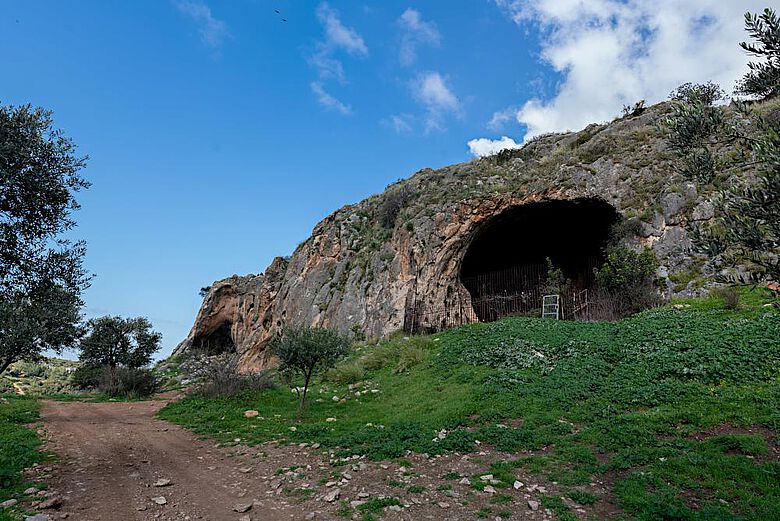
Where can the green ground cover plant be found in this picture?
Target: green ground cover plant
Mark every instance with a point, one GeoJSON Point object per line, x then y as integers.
{"type": "Point", "coordinates": [19, 446]}
{"type": "Point", "coordinates": [677, 407]}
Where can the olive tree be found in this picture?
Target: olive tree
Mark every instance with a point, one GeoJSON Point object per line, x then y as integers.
{"type": "Point", "coordinates": [306, 351]}
{"type": "Point", "coordinates": [745, 231]}
{"type": "Point", "coordinates": [763, 78]}
{"type": "Point", "coordinates": [117, 341]}
{"type": "Point", "coordinates": [41, 273]}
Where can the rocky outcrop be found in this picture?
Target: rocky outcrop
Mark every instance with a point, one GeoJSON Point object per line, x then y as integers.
{"type": "Point", "coordinates": [358, 276]}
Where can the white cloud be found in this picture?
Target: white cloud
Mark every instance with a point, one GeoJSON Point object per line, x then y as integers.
{"type": "Point", "coordinates": [431, 90]}
{"type": "Point", "coordinates": [337, 35]}
{"type": "Point", "coordinates": [213, 32]}
{"type": "Point", "coordinates": [487, 147]}
{"type": "Point", "coordinates": [616, 52]}
{"type": "Point", "coordinates": [328, 101]}
{"type": "Point", "coordinates": [501, 118]}
{"type": "Point", "coordinates": [401, 123]}
{"type": "Point", "coordinates": [415, 31]}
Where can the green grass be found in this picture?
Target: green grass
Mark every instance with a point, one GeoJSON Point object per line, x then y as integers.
{"type": "Point", "coordinates": [659, 403]}
{"type": "Point", "coordinates": [19, 446]}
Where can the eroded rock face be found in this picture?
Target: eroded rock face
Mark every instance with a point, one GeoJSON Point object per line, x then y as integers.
{"type": "Point", "coordinates": [357, 276]}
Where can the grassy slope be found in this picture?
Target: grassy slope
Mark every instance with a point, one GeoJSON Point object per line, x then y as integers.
{"type": "Point", "coordinates": [18, 446]}
{"type": "Point", "coordinates": [657, 404]}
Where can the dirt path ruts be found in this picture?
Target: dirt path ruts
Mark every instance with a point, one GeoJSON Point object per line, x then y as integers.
{"type": "Point", "coordinates": [110, 455]}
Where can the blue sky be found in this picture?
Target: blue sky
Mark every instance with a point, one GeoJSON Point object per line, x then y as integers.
{"type": "Point", "coordinates": [219, 135]}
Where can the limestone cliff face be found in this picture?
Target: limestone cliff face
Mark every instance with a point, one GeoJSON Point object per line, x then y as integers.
{"type": "Point", "coordinates": [358, 276]}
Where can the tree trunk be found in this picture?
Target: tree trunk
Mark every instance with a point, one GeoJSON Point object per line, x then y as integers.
{"type": "Point", "coordinates": [307, 377]}
{"type": "Point", "coordinates": [4, 363]}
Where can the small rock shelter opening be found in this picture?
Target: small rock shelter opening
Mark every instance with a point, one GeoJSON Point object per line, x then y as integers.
{"type": "Point", "coordinates": [505, 265]}
{"type": "Point", "coordinates": [217, 342]}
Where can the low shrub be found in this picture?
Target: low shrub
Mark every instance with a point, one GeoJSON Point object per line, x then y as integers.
{"type": "Point", "coordinates": [409, 357]}
{"type": "Point", "coordinates": [393, 202]}
{"type": "Point", "coordinates": [219, 376]}
{"type": "Point", "coordinates": [127, 383]}
{"type": "Point", "coordinates": [728, 294]}
{"type": "Point", "coordinates": [86, 376]}
{"type": "Point", "coordinates": [344, 374]}
{"type": "Point", "coordinates": [31, 369]}
{"type": "Point", "coordinates": [625, 284]}
{"type": "Point", "coordinates": [379, 357]}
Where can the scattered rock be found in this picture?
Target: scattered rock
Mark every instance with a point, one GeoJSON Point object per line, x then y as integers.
{"type": "Point", "coordinates": [465, 481]}
{"type": "Point", "coordinates": [30, 491]}
{"type": "Point", "coordinates": [517, 485]}
{"type": "Point", "coordinates": [363, 495]}
{"type": "Point", "coordinates": [331, 483]}
{"type": "Point", "coordinates": [487, 477]}
{"type": "Point", "coordinates": [53, 502]}
{"type": "Point", "coordinates": [245, 470]}
{"type": "Point", "coordinates": [356, 503]}
{"type": "Point", "coordinates": [533, 505]}
{"type": "Point", "coordinates": [442, 504]}
{"type": "Point", "coordinates": [311, 515]}
{"type": "Point", "coordinates": [242, 507]}
{"type": "Point", "coordinates": [245, 518]}
{"type": "Point", "coordinates": [162, 482]}
{"type": "Point", "coordinates": [9, 503]}
{"type": "Point", "coordinates": [159, 500]}
{"type": "Point", "coordinates": [332, 496]}
{"type": "Point", "coordinates": [489, 490]}
{"type": "Point", "coordinates": [38, 517]}
{"type": "Point", "coordinates": [251, 414]}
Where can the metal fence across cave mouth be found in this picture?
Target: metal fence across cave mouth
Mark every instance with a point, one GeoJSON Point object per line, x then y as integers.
{"type": "Point", "coordinates": [489, 302]}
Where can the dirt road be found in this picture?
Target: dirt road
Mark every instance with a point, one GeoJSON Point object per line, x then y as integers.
{"type": "Point", "coordinates": [111, 455]}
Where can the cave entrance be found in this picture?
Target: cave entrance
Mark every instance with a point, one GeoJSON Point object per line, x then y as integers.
{"type": "Point", "coordinates": [217, 342]}
{"type": "Point", "coordinates": [505, 266]}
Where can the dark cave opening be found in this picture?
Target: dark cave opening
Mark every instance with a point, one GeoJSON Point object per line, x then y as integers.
{"type": "Point", "coordinates": [509, 253]}
{"type": "Point", "coordinates": [217, 342]}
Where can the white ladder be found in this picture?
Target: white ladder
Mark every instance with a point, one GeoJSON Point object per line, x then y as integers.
{"type": "Point", "coordinates": [551, 306]}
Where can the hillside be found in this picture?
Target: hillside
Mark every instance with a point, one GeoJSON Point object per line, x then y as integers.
{"type": "Point", "coordinates": [670, 414]}
{"type": "Point", "coordinates": [47, 376]}
{"type": "Point", "coordinates": [412, 247]}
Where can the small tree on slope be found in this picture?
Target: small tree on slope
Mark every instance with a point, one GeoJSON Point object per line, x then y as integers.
{"type": "Point", "coordinates": [308, 351]}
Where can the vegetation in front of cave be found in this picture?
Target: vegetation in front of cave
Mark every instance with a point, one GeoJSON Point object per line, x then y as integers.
{"type": "Point", "coordinates": [674, 407]}
{"type": "Point", "coordinates": [220, 377]}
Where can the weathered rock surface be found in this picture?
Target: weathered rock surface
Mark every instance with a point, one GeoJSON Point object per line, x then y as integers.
{"type": "Point", "coordinates": [356, 275]}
